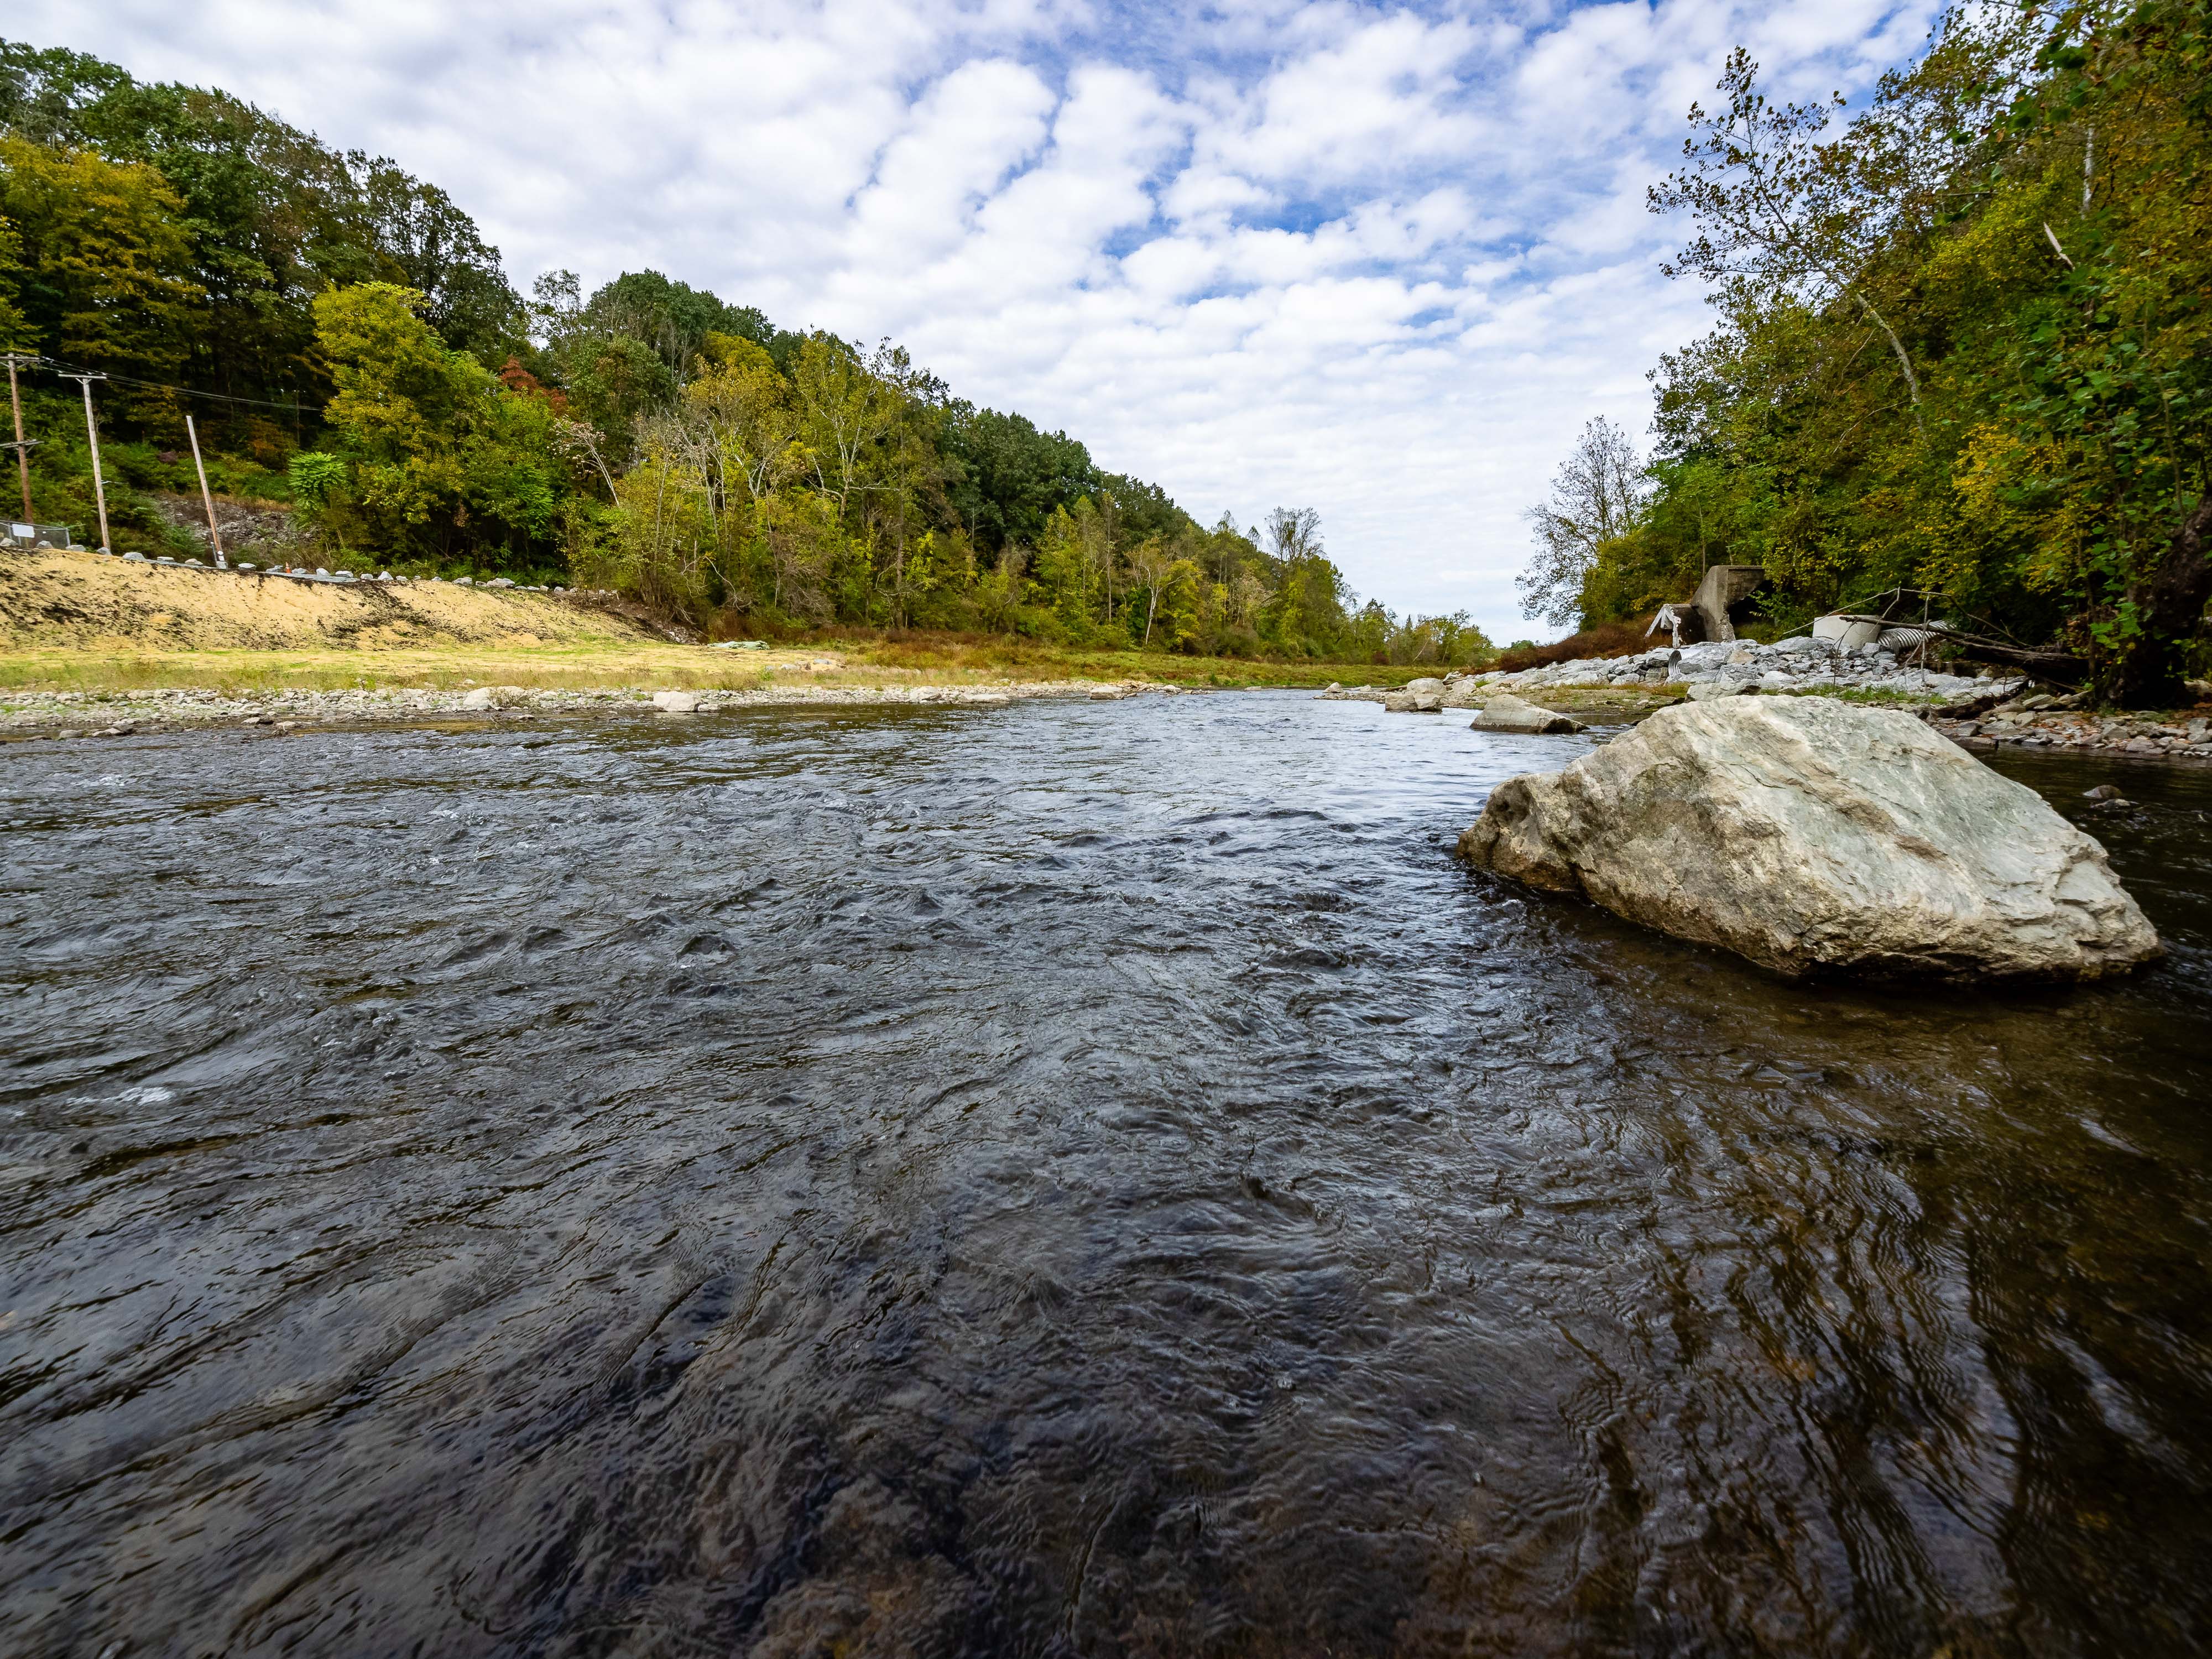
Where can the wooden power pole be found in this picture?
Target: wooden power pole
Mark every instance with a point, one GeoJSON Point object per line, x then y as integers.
{"type": "Point", "coordinates": [22, 446]}
{"type": "Point", "coordinates": [92, 436]}
{"type": "Point", "coordinates": [215, 536]}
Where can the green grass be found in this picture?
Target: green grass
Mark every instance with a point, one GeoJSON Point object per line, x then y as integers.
{"type": "Point", "coordinates": [547, 667]}
{"type": "Point", "coordinates": [1027, 659]}
{"type": "Point", "coordinates": [1875, 695]}
{"type": "Point", "coordinates": [644, 666]}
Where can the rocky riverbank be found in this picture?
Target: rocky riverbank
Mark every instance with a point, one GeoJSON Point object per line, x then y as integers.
{"type": "Point", "coordinates": [1981, 711]}
{"type": "Point", "coordinates": [116, 713]}
{"type": "Point", "coordinates": [2041, 721]}
{"type": "Point", "coordinates": [1793, 664]}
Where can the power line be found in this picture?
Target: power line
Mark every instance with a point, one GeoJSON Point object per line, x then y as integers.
{"type": "Point", "coordinates": [67, 371]}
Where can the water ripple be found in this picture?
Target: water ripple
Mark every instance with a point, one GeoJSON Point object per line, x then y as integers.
{"type": "Point", "coordinates": [1058, 1179]}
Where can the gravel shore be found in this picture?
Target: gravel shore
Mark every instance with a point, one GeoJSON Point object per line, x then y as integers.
{"type": "Point", "coordinates": [105, 713]}
{"type": "Point", "coordinates": [1981, 711]}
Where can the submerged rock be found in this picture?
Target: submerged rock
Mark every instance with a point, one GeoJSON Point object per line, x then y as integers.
{"type": "Point", "coordinates": [1805, 834]}
{"type": "Point", "coordinates": [1507, 713]}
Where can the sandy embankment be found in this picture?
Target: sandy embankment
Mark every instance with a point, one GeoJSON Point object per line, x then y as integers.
{"type": "Point", "coordinates": [97, 644]}
{"type": "Point", "coordinates": [82, 602]}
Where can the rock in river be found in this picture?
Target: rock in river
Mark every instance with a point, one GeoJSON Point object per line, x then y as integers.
{"type": "Point", "coordinates": [676, 702]}
{"type": "Point", "coordinates": [1507, 713]}
{"type": "Point", "coordinates": [1806, 834]}
{"type": "Point", "coordinates": [1421, 696]}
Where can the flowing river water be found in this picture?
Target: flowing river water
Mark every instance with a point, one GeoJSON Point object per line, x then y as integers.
{"type": "Point", "coordinates": [1064, 1179]}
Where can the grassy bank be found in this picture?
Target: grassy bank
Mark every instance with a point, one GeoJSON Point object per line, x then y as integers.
{"type": "Point", "coordinates": [76, 622]}
{"type": "Point", "coordinates": [641, 665]}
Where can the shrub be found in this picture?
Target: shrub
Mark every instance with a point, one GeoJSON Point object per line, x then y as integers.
{"type": "Point", "coordinates": [1606, 640]}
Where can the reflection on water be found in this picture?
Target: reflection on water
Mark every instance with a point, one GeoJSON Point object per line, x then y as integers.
{"type": "Point", "coordinates": [1061, 1179]}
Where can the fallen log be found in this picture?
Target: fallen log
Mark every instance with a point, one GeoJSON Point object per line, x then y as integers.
{"type": "Point", "coordinates": [2058, 667]}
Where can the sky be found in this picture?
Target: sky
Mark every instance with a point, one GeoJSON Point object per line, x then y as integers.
{"type": "Point", "coordinates": [1382, 261]}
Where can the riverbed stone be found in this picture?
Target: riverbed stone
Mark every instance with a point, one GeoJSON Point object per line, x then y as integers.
{"type": "Point", "coordinates": [1507, 713]}
{"type": "Point", "coordinates": [1807, 834]}
{"type": "Point", "coordinates": [1422, 697]}
{"type": "Point", "coordinates": [676, 702]}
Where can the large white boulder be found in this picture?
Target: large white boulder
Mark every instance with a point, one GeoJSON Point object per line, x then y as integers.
{"type": "Point", "coordinates": [1808, 834]}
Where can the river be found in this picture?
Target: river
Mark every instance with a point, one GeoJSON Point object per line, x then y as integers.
{"type": "Point", "coordinates": [1069, 1178]}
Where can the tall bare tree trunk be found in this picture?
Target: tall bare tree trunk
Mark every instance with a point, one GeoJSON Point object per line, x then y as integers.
{"type": "Point", "coordinates": [1904, 361]}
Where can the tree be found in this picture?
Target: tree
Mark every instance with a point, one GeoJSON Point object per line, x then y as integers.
{"type": "Point", "coordinates": [1776, 212]}
{"type": "Point", "coordinates": [15, 332]}
{"type": "Point", "coordinates": [1011, 478]}
{"type": "Point", "coordinates": [443, 459]}
{"type": "Point", "coordinates": [270, 216]}
{"type": "Point", "coordinates": [1293, 533]}
{"type": "Point", "coordinates": [1597, 496]}
{"type": "Point", "coordinates": [432, 248]}
{"type": "Point", "coordinates": [752, 413]}
{"type": "Point", "coordinates": [1181, 596]}
{"type": "Point", "coordinates": [99, 274]}
{"type": "Point", "coordinates": [847, 408]}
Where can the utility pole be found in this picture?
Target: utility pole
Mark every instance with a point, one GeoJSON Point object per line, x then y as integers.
{"type": "Point", "coordinates": [22, 449]}
{"type": "Point", "coordinates": [215, 536]}
{"type": "Point", "coordinates": [92, 435]}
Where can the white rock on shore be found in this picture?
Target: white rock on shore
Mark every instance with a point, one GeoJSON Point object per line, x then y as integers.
{"type": "Point", "coordinates": [1799, 664]}
{"type": "Point", "coordinates": [1806, 832]}
{"type": "Point", "coordinates": [1507, 713]}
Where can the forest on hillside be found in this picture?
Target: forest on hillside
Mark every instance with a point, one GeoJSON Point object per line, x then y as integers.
{"type": "Point", "coordinates": [351, 348]}
{"type": "Point", "coordinates": [1963, 345]}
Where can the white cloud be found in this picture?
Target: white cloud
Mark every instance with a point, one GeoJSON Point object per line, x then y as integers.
{"type": "Point", "coordinates": [1382, 260]}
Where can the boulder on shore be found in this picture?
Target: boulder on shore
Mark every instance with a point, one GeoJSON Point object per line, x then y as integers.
{"type": "Point", "coordinates": [1807, 834]}
{"type": "Point", "coordinates": [1507, 713]}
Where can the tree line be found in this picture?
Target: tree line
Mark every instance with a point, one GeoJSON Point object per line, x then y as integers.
{"type": "Point", "coordinates": [1963, 346]}
{"type": "Point", "coordinates": [352, 347]}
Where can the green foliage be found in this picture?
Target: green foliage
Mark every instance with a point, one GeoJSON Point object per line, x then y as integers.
{"type": "Point", "coordinates": [252, 218]}
{"type": "Point", "coordinates": [1964, 342]}
{"type": "Point", "coordinates": [315, 477]}
{"type": "Point", "coordinates": [1010, 476]}
{"type": "Point", "coordinates": [441, 460]}
{"type": "Point", "coordinates": [100, 268]}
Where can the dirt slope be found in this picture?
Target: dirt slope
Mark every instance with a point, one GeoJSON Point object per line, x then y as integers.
{"type": "Point", "coordinates": [84, 601]}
